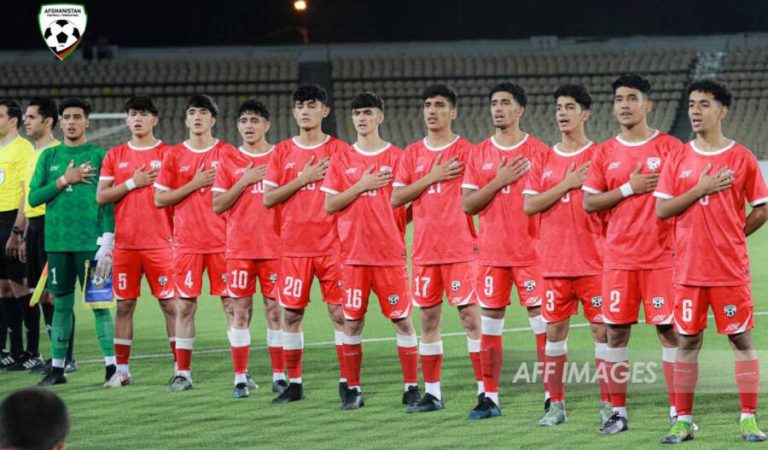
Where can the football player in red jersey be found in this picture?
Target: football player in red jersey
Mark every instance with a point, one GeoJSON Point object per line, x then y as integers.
{"type": "Point", "coordinates": [570, 244]}
{"type": "Point", "coordinates": [493, 188]}
{"type": "Point", "coordinates": [358, 190]}
{"type": "Point", "coordinates": [705, 188]}
{"type": "Point", "coordinates": [253, 236]}
{"type": "Point", "coordinates": [444, 240]}
{"type": "Point", "coordinates": [637, 258]}
{"type": "Point", "coordinates": [143, 233]}
{"type": "Point", "coordinates": [199, 235]}
{"type": "Point", "coordinates": [309, 244]}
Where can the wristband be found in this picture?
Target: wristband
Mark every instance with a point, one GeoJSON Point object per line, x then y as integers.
{"type": "Point", "coordinates": [626, 190]}
{"type": "Point", "coordinates": [130, 184]}
{"type": "Point", "coordinates": [63, 180]}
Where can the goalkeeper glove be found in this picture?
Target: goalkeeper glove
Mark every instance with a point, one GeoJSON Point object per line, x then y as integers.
{"type": "Point", "coordinates": [104, 257]}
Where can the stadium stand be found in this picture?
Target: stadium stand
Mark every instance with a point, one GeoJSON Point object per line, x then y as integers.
{"type": "Point", "coordinates": [744, 73]}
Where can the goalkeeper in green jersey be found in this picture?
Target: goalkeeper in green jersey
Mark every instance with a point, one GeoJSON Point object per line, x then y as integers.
{"type": "Point", "coordinates": [75, 228]}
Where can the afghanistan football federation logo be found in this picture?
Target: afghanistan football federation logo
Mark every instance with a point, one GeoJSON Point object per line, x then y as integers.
{"type": "Point", "coordinates": [62, 26]}
{"type": "Point", "coordinates": [657, 302]}
{"type": "Point", "coordinates": [455, 286]}
{"type": "Point", "coordinates": [529, 285]}
{"type": "Point", "coordinates": [653, 163]}
{"type": "Point", "coordinates": [729, 310]}
{"type": "Point", "coordinates": [597, 301]}
{"type": "Point", "coordinates": [393, 299]}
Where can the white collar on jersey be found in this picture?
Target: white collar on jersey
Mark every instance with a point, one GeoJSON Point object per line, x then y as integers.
{"type": "Point", "coordinates": [637, 144]}
{"type": "Point", "coordinates": [189, 147]}
{"type": "Point", "coordinates": [437, 149]}
{"type": "Point", "coordinates": [247, 153]}
{"type": "Point", "coordinates": [568, 155]}
{"type": "Point", "coordinates": [506, 149]}
{"type": "Point", "coordinates": [373, 153]}
{"type": "Point", "coordinates": [310, 147]}
{"type": "Point", "coordinates": [133, 147]}
{"type": "Point", "coordinates": [712, 153]}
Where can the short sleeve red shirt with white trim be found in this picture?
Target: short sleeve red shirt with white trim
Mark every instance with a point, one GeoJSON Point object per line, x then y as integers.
{"type": "Point", "coordinates": [710, 245]}
{"type": "Point", "coordinates": [442, 233]}
{"type": "Point", "coordinates": [371, 231]}
{"type": "Point", "coordinates": [635, 238]}
{"type": "Point", "coordinates": [139, 224]}
{"type": "Point", "coordinates": [196, 228]}
{"type": "Point", "coordinates": [507, 235]}
{"type": "Point", "coordinates": [306, 230]}
{"type": "Point", "coordinates": [253, 231]}
{"type": "Point", "coordinates": [570, 240]}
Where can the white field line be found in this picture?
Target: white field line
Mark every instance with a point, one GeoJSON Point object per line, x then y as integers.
{"type": "Point", "coordinates": [328, 343]}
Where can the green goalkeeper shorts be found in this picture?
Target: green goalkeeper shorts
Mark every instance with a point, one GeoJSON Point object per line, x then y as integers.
{"type": "Point", "coordinates": [64, 269]}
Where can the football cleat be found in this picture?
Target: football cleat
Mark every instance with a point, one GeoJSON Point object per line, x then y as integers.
{"type": "Point", "coordinates": [180, 383]}
{"type": "Point", "coordinates": [27, 362]}
{"type": "Point", "coordinates": [353, 400]}
{"type": "Point", "coordinates": [249, 382]}
{"type": "Point", "coordinates": [427, 403]}
{"type": "Point", "coordinates": [54, 376]}
{"type": "Point", "coordinates": [411, 397]}
{"type": "Point", "coordinates": [555, 415]}
{"type": "Point", "coordinates": [7, 361]}
{"type": "Point", "coordinates": [486, 409]}
{"type": "Point", "coordinates": [71, 367]}
{"type": "Point", "coordinates": [615, 424]}
{"type": "Point", "coordinates": [343, 389]}
{"type": "Point", "coordinates": [606, 411]}
{"type": "Point", "coordinates": [110, 372]}
{"type": "Point", "coordinates": [241, 391]}
{"type": "Point", "coordinates": [294, 392]}
{"type": "Point", "coordinates": [680, 431]}
{"type": "Point", "coordinates": [673, 419]}
{"type": "Point", "coordinates": [750, 432]}
{"type": "Point", "coordinates": [119, 379]}
{"type": "Point", "coordinates": [547, 404]}
{"type": "Point", "coordinates": [279, 386]}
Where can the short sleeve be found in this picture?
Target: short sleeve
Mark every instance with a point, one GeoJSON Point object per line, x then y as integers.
{"type": "Point", "coordinates": [404, 173]}
{"type": "Point", "coordinates": [166, 179]}
{"type": "Point", "coordinates": [273, 176]}
{"type": "Point", "coordinates": [224, 175]}
{"type": "Point", "coordinates": [595, 182]}
{"type": "Point", "coordinates": [666, 188]}
{"type": "Point", "coordinates": [108, 167]}
{"type": "Point", "coordinates": [333, 182]}
{"type": "Point", "coordinates": [533, 181]}
{"type": "Point", "coordinates": [471, 178]}
{"type": "Point", "coordinates": [754, 185]}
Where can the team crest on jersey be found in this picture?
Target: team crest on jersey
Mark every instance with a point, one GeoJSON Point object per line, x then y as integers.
{"type": "Point", "coordinates": [730, 310]}
{"type": "Point", "coordinates": [183, 169]}
{"type": "Point", "coordinates": [393, 299]}
{"type": "Point", "coordinates": [597, 301]}
{"type": "Point", "coordinates": [385, 169]}
{"type": "Point", "coordinates": [657, 302]}
{"type": "Point", "coordinates": [455, 285]}
{"type": "Point", "coordinates": [122, 165]}
{"type": "Point", "coordinates": [351, 171]}
{"type": "Point", "coordinates": [214, 164]}
{"type": "Point", "coordinates": [546, 174]}
{"type": "Point", "coordinates": [529, 285]}
{"type": "Point", "coordinates": [685, 173]}
{"type": "Point", "coordinates": [163, 280]}
{"type": "Point", "coordinates": [614, 165]}
{"type": "Point", "coordinates": [155, 164]}
{"type": "Point", "coordinates": [488, 166]}
{"type": "Point", "coordinates": [653, 163]}
{"type": "Point", "coordinates": [273, 278]}
{"type": "Point", "coordinates": [62, 26]}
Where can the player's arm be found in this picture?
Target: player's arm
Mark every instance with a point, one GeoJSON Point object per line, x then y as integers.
{"type": "Point", "coordinates": [168, 197]}
{"type": "Point", "coordinates": [440, 172]}
{"type": "Point", "coordinates": [668, 206]}
{"type": "Point", "coordinates": [223, 199]}
{"type": "Point", "coordinates": [756, 218]}
{"type": "Point", "coordinates": [15, 243]}
{"type": "Point", "coordinates": [535, 203]}
{"type": "Point", "coordinates": [107, 192]}
{"type": "Point", "coordinates": [337, 201]}
{"type": "Point", "coordinates": [475, 200]}
{"type": "Point", "coordinates": [637, 184]}
{"type": "Point", "coordinates": [312, 173]}
{"type": "Point", "coordinates": [43, 190]}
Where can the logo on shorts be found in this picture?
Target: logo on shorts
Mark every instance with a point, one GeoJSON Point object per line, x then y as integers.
{"type": "Point", "coordinates": [729, 310]}
{"type": "Point", "coordinates": [529, 285]}
{"type": "Point", "coordinates": [597, 301]}
{"type": "Point", "coordinates": [455, 286]}
{"type": "Point", "coordinates": [273, 278]}
{"type": "Point", "coordinates": [155, 164]}
{"type": "Point", "coordinates": [653, 163]}
{"type": "Point", "coordinates": [658, 302]}
{"type": "Point", "coordinates": [393, 299]}
{"type": "Point", "coordinates": [163, 280]}
{"type": "Point", "coordinates": [732, 328]}
{"type": "Point", "coordinates": [224, 277]}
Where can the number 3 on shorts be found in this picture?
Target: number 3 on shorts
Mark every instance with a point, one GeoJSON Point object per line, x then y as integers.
{"type": "Point", "coordinates": [550, 300]}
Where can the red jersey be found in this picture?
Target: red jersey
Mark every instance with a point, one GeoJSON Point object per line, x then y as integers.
{"type": "Point", "coordinates": [307, 230]}
{"type": "Point", "coordinates": [710, 245]}
{"type": "Point", "coordinates": [253, 231]}
{"type": "Point", "coordinates": [635, 238]}
{"type": "Point", "coordinates": [139, 224]}
{"type": "Point", "coordinates": [570, 240]}
{"type": "Point", "coordinates": [442, 233]}
{"type": "Point", "coordinates": [196, 228]}
{"type": "Point", "coordinates": [372, 233]}
{"type": "Point", "coordinates": [507, 235]}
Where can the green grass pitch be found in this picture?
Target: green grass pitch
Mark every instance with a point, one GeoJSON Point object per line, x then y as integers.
{"type": "Point", "coordinates": [146, 416]}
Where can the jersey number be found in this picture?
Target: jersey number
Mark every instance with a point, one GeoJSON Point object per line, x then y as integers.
{"type": "Point", "coordinates": [436, 188]}
{"type": "Point", "coordinates": [615, 299]}
{"type": "Point", "coordinates": [421, 283]}
{"type": "Point", "coordinates": [188, 279]}
{"type": "Point", "coordinates": [292, 287]}
{"type": "Point", "coordinates": [488, 286]}
{"type": "Point", "coordinates": [53, 276]}
{"type": "Point", "coordinates": [550, 301]}
{"type": "Point", "coordinates": [704, 200]}
{"type": "Point", "coordinates": [258, 188]}
{"type": "Point", "coordinates": [687, 310]}
{"type": "Point", "coordinates": [506, 189]}
{"type": "Point", "coordinates": [566, 198]}
{"type": "Point", "coordinates": [122, 281]}
{"type": "Point", "coordinates": [354, 298]}
{"type": "Point", "coordinates": [239, 279]}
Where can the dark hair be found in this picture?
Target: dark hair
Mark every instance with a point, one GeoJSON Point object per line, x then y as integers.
{"type": "Point", "coordinates": [718, 90]}
{"type": "Point", "coordinates": [518, 93]}
{"type": "Point", "coordinates": [14, 109]}
{"type": "Point", "coordinates": [633, 81]}
{"type": "Point", "coordinates": [33, 419]}
{"type": "Point", "coordinates": [142, 103]}
{"type": "Point", "coordinates": [307, 92]}
{"type": "Point", "coordinates": [205, 102]}
{"type": "Point", "coordinates": [46, 107]}
{"type": "Point", "coordinates": [577, 92]}
{"type": "Point", "coordinates": [367, 100]}
{"type": "Point", "coordinates": [255, 107]}
{"type": "Point", "coordinates": [75, 103]}
{"type": "Point", "coordinates": [442, 90]}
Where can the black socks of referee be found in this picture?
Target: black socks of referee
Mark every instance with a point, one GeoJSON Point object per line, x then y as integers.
{"type": "Point", "coordinates": [32, 324]}
{"type": "Point", "coordinates": [14, 317]}
{"type": "Point", "coordinates": [3, 326]}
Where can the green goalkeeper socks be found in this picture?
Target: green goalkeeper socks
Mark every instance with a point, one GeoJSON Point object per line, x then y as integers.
{"type": "Point", "coordinates": [62, 325]}
{"type": "Point", "coordinates": [105, 331]}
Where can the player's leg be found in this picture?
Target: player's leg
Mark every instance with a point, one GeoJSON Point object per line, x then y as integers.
{"type": "Point", "coordinates": [61, 283]}
{"type": "Point", "coordinates": [356, 289]}
{"type": "Point", "coordinates": [428, 294]}
{"type": "Point", "coordinates": [295, 280]}
{"type": "Point", "coordinates": [530, 290]}
{"type": "Point", "coordinates": [328, 271]}
{"type": "Point", "coordinates": [188, 278]}
{"type": "Point", "coordinates": [268, 274]}
{"type": "Point", "coordinates": [216, 266]}
{"type": "Point", "coordinates": [36, 259]}
{"type": "Point", "coordinates": [241, 280]}
{"type": "Point", "coordinates": [157, 265]}
{"type": "Point", "coordinates": [463, 295]}
{"type": "Point", "coordinates": [126, 281]}
{"type": "Point", "coordinates": [13, 319]}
